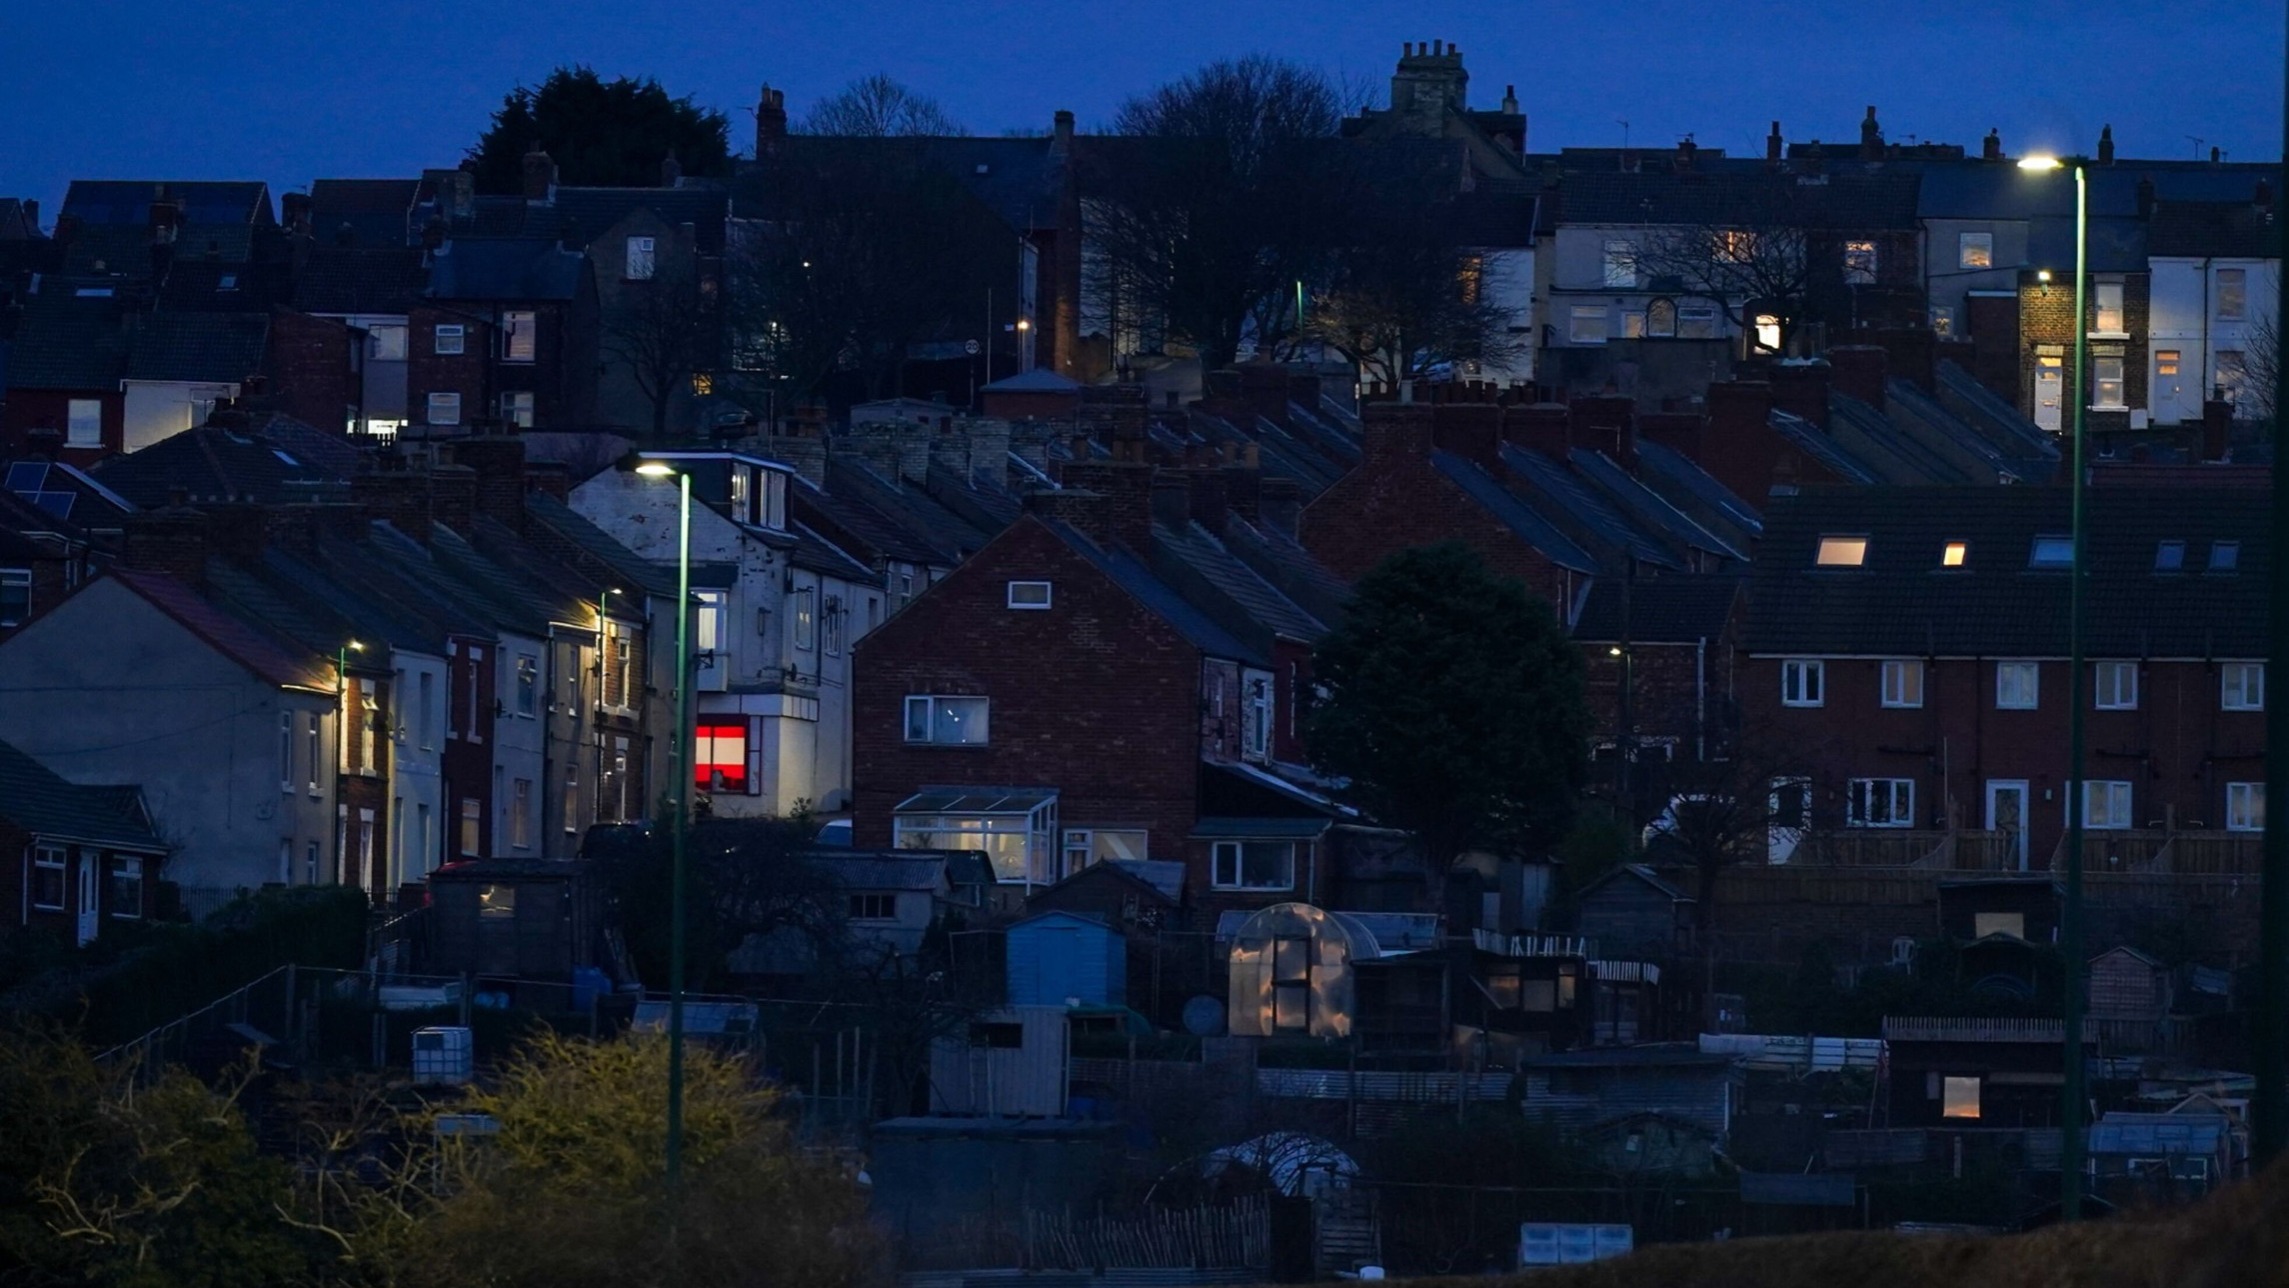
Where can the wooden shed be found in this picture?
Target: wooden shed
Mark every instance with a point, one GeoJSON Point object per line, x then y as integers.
{"type": "Point", "coordinates": [1058, 958]}
{"type": "Point", "coordinates": [512, 918]}
{"type": "Point", "coordinates": [2129, 997]}
{"type": "Point", "coordinates": [1634, 911]}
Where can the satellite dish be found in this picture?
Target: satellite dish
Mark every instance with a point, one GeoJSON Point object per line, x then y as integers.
{"type": "Point", "coordinates": [1204, 1016]}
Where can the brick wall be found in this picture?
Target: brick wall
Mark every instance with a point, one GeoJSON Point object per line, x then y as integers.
{"type": "Point", "coordinates": [309, 369]}
{"type": "Point", "coordinates": [2046, 317]}
{"type": "Point", "coordinates": [24, 410]}
{"type": "Point", "coordinates": [428, 371]}
{"type": "Point", "coordinates": [1096, 697]}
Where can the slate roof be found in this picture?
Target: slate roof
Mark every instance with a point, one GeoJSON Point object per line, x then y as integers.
{"type": "Point", "coordinates": [1841, 199]}
{"type": "Point", "coordinates": [207, 347]}
{"type": "Point", "coordinates": [480, 269]}
{"type": "Point", "coordinates": [41, 802]}
{"type": "Point", "coordinates": [1901, 603]}
{"type": "Point", "coordinates": [228, 635]}
{"type": "Point", "coordinates": [574, 528]}
{"type": "Point", "coordinates": [1902, 457]}
{"type": "Point", "coordinates": [1806, 437]}
{"type": "Point", "coordinates": [1649, 508]}
{"type": "Point", "coordinates": [67, 340]}
{"type": "Point", "coordinates": [1677, 609]}
{"type": "Point", "coordinates": [1515, 514]}
{"type": "Point", "coordinates": [2225, 229]}
{"type": "Point", "coordinates": [212, 463]}
{"type": "Point", "coordinates": [824, 557]}
{"type": "Point", "coordinates": [1281, 560]}
{"type": "Point", "coordinates": [1131, 575]}
{"type": "Point", "coordinates": [581, 215]}
{"type": "Point", "coordinates": [1193, 560]}
{"type": "Point", "coordinates": [1584, 509]}
{"type": "Point", "coordinates": [1996, 419]}
{"type": "Point", "coordinates": [377, 211]}
{"type": "Point", "coordinates": [1038, 380]}
{"type": "Point", "coordinates": [211, 286]}
{"type": "Point", "coordinates": [1664, 465]}
{"type": "Point", "coordinates": [352, 280]}
{"type": "Point", "coordinates": [219, 222]}
{"type": "Point", "coordinates": [860, 527]}
{"type": "Point", "coordinates": [911, 510]}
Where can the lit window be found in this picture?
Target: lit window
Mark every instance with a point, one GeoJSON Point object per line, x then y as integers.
{"type": "Point", "coordinates": [1953, 554]}
{"type": "Point", "coordinates": [2106, 382]}
{"type": "Point", "coordinates": [1959, 1098]}
{"type": "Point", "coordinates": [1254, 865]}
{"type": "Point", "coordinates": [83, 422]}
{"type": "Point", "coordinates": [2166, 362]}
{"type": "Point", "coordinates": [2114, 685]}
{"type": "Point", "coordinates": [1620, 264]}
{"type": "Point", "coordinates": [517, 408]}
{"type": "Point", "coordinates": [1903, 683]}
{"type": "Point", "coordinates": [2051, 552]}
{"type": "Point", "coordinates": [450, 338]}
{"type": "Point", "coordinates": [2245, 807]}
{"type": "Point", "coordinates": [2018, 686]}
{"type": "Point", "coordinates": [1975, 250]}
{"type": "Point", "coordinates": [702, 384]}
{"type": "Point", "coordinates": [1842, 552]}
{"type": "Point", "coordinates": [1943, 322]}
{"type": "Point", "coordinates": [2106, 805]}
{"type": "Point", "coordinates": [2232, 294]}
{"type": "Point", "coordinates": [1661, 318]}
{"type": "Point", "coordinates": [1087, 845]}
{"type": "Point", "coordinates": [1768, 332]}
{"type": "Point", "coordinates": [2243, 686]}
{"type": "Point", "coordinates": [1802, 682]}
{"type": "Point", "coordinates": [1860, 263]}
{"type": "Point", "coordinates": [496, 902]}
{"type": "Point", "coordinates": [472, 828]}
{"type": "Point", "coordinates": [2169, 556]}
{"type": "Point", "coordinates": [1880, 802]}
{"type": "Point", "coordinates": [1029, 594]}
{"type": "Point", "coordinates": [385, 342]}
{"type": "Point", "coordinates": [517, 335]}
{"type": "Point", "coordinates": [2225, 556]}
{"type": "Point", "coordinates": [2107, 304]}
{"type": "Point", "coordinates": [1586, 324]}
{"type": "Point", "coordinates": [946, 721]}
{"type": "Point", "coordinates": [640, 264]}
{"type": "Point", "coordinates": [444, 409]}
{"type": "Point", "coordinates": [719, 756]}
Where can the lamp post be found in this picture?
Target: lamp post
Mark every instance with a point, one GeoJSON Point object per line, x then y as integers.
{"type": "Point", "coordinates": [2071, 1093]}
{"type": "Point", "coordinates": [2270, 1102]}
{"type": "Point", "coordinates": [679, 824]}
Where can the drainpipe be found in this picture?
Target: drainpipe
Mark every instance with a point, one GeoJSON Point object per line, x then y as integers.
{"type": "Point", "coordinates": [1701, 698]}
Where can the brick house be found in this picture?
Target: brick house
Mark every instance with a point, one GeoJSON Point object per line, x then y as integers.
{"type": "Point", "coordinates": [78, 857]}
{"type": "Point", "coordinates": [1909, 645]}
{"type": "Point", "coordinates": [2118, 308]}
{"type": "Point", "coordinates": [506, 334]}
{"type": "Point", "coordinates": [1094, 685]}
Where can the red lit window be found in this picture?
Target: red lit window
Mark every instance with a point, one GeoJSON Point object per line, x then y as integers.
{"type": "Point", "coordinates": [719, 760]}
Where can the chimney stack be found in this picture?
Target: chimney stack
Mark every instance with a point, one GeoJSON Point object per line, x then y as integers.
{"type": "Point", "coordinates": [1061, 132]}
{"type": "Point", "coordinates": [1871, 137]}
{"type": "Point", "coordinates": [2106, 145]}
{"type": "Point", "coordinates": [1991, 147]}
{"type": "Point", "coordinates": [540, 175]}
{"type": "Point", "coordinates": [770, 121]}
{"type": "Point", "coordinates": [1774, 147]}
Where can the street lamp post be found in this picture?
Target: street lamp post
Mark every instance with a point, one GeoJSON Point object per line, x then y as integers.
{"type": "Point", "coordinates": [2071, 1094]}
{"type": "Point", "coordinates": [679, 824]}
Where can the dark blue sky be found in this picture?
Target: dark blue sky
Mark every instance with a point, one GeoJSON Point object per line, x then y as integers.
{"type": "Point", "coordinates": [291, 91]}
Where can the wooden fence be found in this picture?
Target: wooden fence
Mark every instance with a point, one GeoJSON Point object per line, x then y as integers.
{"type": "Point", "coordinates": [1234, 1234]}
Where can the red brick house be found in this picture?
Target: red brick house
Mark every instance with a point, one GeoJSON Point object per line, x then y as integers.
{"type": "Point", "coordinates": [1909, 645]}
{"type": "Point", "coordinates": [1097, 683]}
{"type": "Point", "coordinates": [507, 334]}
{"type": "Point", "coordinates": [74, 858]}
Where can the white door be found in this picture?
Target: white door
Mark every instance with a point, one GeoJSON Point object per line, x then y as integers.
{"type": "Point", "coordinates": [2050, 392]}
{"type": "Point", "coordinates": [2007, 813]}
{"type": "Point", "coordinates": [90, 909]}
{"type": "Point", "coordinates": [1788, 815]}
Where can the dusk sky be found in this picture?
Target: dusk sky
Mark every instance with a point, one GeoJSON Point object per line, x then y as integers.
{"type": "Point", "coordinates": [289, 92]}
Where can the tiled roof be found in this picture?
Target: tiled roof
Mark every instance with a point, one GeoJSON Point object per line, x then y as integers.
{"type": "Point", "coordinates": [1196, 563]}
{"type": "Point", "coordinates": [1281, 560]}
{"type": "Point", "coordinates": [212, 464]}
{"type": "Point", "coordinates": [1581, 509]}
{"type": "Point", "coordinates": [127, 202]}
{"type": "Point", "coordinates": [1649, 508]}
{"type": "Point", "coordinates": [2225, 229]}
{"type": "Point", "coordinates": [909, 509]}
{"type": "Point", "coordinates": [1661, 465]}
{"type": "Point", "coordinates": [858, 528]}
{"type": "Point", "coordinates": [480, 269]}
{"type": "Point", "coordinates": [339, 280]}
{"type": "Point", "coordinates": [1807, 438]}
{"type": "Point", "coordinates": [1677, 609]}
{"type": "Point", "coordinates": [226, 634]}
{"type": "Point", "coordinates": [1158, 596]}
{"type": "Point", "coordinates": [580, 215]}
{"type": "Point", "coordinates": [1901, 603]}
{"type": "Point", "coordinates": [1515, 514]}
{"type": "Point", "coordinates": [569, 525]}
{"type": "Point", "coordinates": [211, 286]}
{"type": "Point", "coordinates": [207, 347]}
{"type": "Point", "coordinates": [41, 802]}
{"type": "Point", "coordinates": [824, 557]}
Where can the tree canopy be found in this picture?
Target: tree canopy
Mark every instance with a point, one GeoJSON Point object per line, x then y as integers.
{"type": "Point", "coordinates": [1452, 702]}
{"type": "Point", "coordinates": [879, 107]}
{"type": "Point", "coordinates": [605, 133]}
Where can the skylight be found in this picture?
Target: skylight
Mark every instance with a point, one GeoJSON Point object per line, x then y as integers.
{"type": "Point", "coordinates": [2225, 556]}
{"type": "Point", "coordinates": [1842, 552]}
{"type": "Point", "coordinates": [2170, 556]}
{"type": "Point", "coordinates": [1954, 553]}
{"type": "Point", "coordinates": [2052, 552]}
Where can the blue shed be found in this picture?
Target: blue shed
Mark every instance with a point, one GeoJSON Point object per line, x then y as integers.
{"type": "Point", "coordinates": [1058, 956]}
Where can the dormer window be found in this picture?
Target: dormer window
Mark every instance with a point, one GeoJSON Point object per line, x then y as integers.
{"type": "Point", "coordinates": [2225, 556]}
{"type": "Point", "coordinates": [1029, 594]}
{"type": "Point", "coordinates": [1842, 552]}
{"type": "Point", "coordinates": [1954, 553]}
{"type": "Point", "coordinates": [2052, 552]}
{"type": "Point", "coordinates": [2170, 556]}
{"type": "Point", "coordinates": [229, 282]}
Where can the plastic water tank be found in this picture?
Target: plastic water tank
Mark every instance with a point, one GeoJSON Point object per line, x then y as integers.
{"type": "Point", "coordinates": [442, 1056]}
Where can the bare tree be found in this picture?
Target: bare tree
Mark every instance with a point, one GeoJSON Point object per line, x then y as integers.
{"type": "Point", "coordinates": [1214, 200]}
{"type": "Point", "coordinates": [1404, 297]}
{"type": "Point", "coordinates": [1751, 272]}
{"type": "Point", "coordinates": [660, 333]}
{"type": "Point", "coordinates": [2261, 367]}
{"type": "Point", "coordinates": [878, 107]}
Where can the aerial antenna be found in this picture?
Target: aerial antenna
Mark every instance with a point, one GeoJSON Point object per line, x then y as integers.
{"type": "Point", "coordinates": [1624, 132]}
{"type": "Point", "coordinates": [2198, 142]}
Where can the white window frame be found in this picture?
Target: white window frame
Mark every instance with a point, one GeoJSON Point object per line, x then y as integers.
{"type": "Point", "coordinates": [83, 422]}
{"type": "Point", "coordinates": [449, 339]}
{"type": "Point", "coordinates": [641, 263]}
{"type": "Point", "coordinates": [2237, 296]}
{"type": "Point", "coordinates": [1617, 264]}
{"type": "Point", "coordinates": [1903, 683]}
{"type": "Point", "coordinates": [864, 905]}
{"type": "Point", "coordinates": [442, 408]}
{"type": "Point", "coordinates": [1587, 324]}
{"type": "Point", "coordinates": [2107, 805]}
{"type": "Point", "coordinates": [2107, 387]}
{"type": "Point", "coordinates": [1699, 320]}
{"type": "Point", "coordinates": [2241, 686]}
{"type": "Point", "coordinates": [2107, 298]}
{"type": "Point", "coordinates": [520, 335]}
{"type": "Point", "coordinates": [925, 713]}
{"type": "Point", "coordinates": [1803, 682]}
{"type": "Point", "coordinates": [806, 618]}
{"type": "Point", "coordinates": [385, 342]}
{"type": "Point", "coordinates": [1227, 866]}
{"type": "Point", "coordinates": [2033, 674]}
{"type": "Point", "coordinates": [517, 408]}
{"type": "Point", "coordinates": [1030, 596]}
{"type": "Point", "coordinates": [122, 867]}
{"type": "Point", "coordinates": [56, 859]}
{"type": "Point", "coordinates": [1897, 798]}
{"type": "Point", "coordinates": [2114, 686]}
{"type": "Point", "coordinates": [2245, 807]}
{"type": "Point", "coordinates": [1982, 243]}
{"type": "Point", "coordinates": [1841, 551]}
{"type": "Point", "coordinates": [1080, 848]}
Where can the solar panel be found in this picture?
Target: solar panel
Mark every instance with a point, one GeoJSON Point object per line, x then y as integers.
{"type": "Point", "coordinates": [26, 476]}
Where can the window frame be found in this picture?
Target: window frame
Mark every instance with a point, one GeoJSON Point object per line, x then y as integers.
{"type": "Point", "coordinates": [1983, 242]}
{"type": "Point", "coordinates": [1895, 696]}
{"type": "Point", "coordinates": [121, 873]}
{"type": "Point", "coordinates": [457, 333]}
{"type": "Point", "coordinates": [1235, 878]}
{"type": "Point", "coordinates": [1861, 259]}
{"type": "Point", "coordinates": [2050, 542]}
{"type": "Point", "coordinates": [1798, 669]}
{"type": "Point", "coordinates": [709, 733]}
{"type": "Point", "coordinates": [73, 422]}
{"type": "Point", "coordinates": [1954, 556]}
{"type": "Point", "coordinates": [1580, 314]}
{"type": "Point", "coordinates": [436, 398]}
{"type": "Point", "coordinates": [871, 907]}
{"type": "Point", "coordinates": [517, 407]}
{"type": "Point", "coordinates": [2238, 294]}
{"type": "Point", "coordinates": [2034, 673]}
{"type": "Point", "coordinates": [528, 685]}
{"type": "Point", "coordinates": [1617, 264]}
{"type": "Point", "coordinates": [1952, 1083]}
{"type": "Point", "coordinates": [1048, 595]}
{"type": "Point", "coordinates": [520, 330]}
{"type": "Point", "coordinates": [640, 259]}
{"type": "Point", "coordinates": [2099, 308]}
{"type": "Point", "coordinates": [931, 705]}
{"type": "Point", "coordinates": [2098, 687]}
{"type": "Point", "coordinates": [2235, 680]}
{"type": "Point", "coordinates": [806, 621]}
{"type": "Point", "coordinates": [521, 814]}
{"type": "Point", "coordinates": [47, 859]}
{"type": "Point", "coordinates": [1850, 551]}
{"type": "Point", "coordinates": [1899, 803]}
{"type": "Point", "coordinates": [2249, 794]}
{"type": "Point", "coordinates": [2109, 392]}
{"type": "Point", "coordinates": [2118, 791]}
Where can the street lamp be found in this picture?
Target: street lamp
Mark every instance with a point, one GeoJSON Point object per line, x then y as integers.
{"type": "Point", "coordinates": [679, 824]}
{"type": "Point", "coordinates": [2071, 1094]}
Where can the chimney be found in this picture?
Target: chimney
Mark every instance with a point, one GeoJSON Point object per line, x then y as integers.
{"type": "Point", "coordinates": [1773, 146]}
{"type": "Point", "coordinates": [1061, 132]}
{"type": "Point", "coordinates": [2217, 156]}
{"type": "Point", "coordinates": [807, 453]}
{"type": "Point", "coordinates": [540, 175]}
{"type": "Point", "coordinates": [1242, 488]}
{"type": "Point", "coordinates": [1737, 439]}
{"type": "Point", "coordinates": [1278, 504]}
{"type": "Point", "coordinates": [2106, 145]}
{"type": "Point", "coordinates": [1679, 431]}
{"type": "Point", "coordinates": [498, 463]}
{"type": "Point", "coordinates": [2217, 426]}
{"type": "Point", "coordinates": [1801, 389]}
{"type": "Point", "coordinates": [1685, 150]}
{"type": "Point", "coordinates": [1871, 137]}
{"type": "Point", "coordinates": [1171, 499]}
{"type": "Point", "coordinates": [1510, 100]}
{"type": "Point", "coordinates": [1859, 370]}
{"type": "Point", "coordinates": [770, 121]}
{"type": "Point", "coordinates": [1991, 147]}
{"type": "Point", "coordinates": [296, 207]}
{"type": "Point", "coordinates": [1264, 387]}
{"type": "Point", "coordinates": [671, 172]}
{"type": "Point", "coordinates": [1538, 428]}
{"type": "Point", "coordinates": [1123, 515]}
{"type": "Point", "coordinates": [1391, 431]}
{"type": "Point", "coordinates": [175, 540]}
{"type": "Point", "coordinates": [2145, 198]}
{"type": "Point", "coordinates": [1472, 431]}
{"type": "Point", "coordinates": [1604, 423]}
